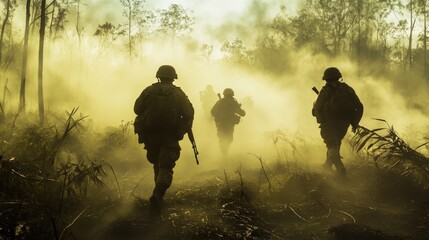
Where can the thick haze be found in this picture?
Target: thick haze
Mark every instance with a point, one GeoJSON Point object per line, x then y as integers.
{"type": "Point", "coordinates": [105, 87]}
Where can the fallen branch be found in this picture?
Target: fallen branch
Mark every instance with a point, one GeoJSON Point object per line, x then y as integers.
{"type": "Point", "coordinates": [348, 214]}
{"type": "Point", "coordinates": [38, 178]}
{"type": "Point", "coordinates": [296, 214]}
{"type": "Point", "coordinates": [71, 224]}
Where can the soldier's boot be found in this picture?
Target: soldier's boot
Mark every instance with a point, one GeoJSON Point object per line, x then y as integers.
{"type": "Point", "coordinates": [156, 201]}
{"type": "Point", "coordinates": [336, 160]}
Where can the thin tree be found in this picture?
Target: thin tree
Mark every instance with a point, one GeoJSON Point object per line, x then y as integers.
{"type": "Point", "coordinates": [175, 21]}
{"type": "Point", "coordinates": [54, 5]}
{"type": "Point", "coordinates": [107, 33]}
{"type": "Point", "coordinates": [58, 20]}
{"type": "Point", "coordinates": [79, 28]}
{"type": "Point", "coordinates": [24, 57]}
{"type": "Point", "coordinates": [410, 37]}
{"type": "Point", "coordinates": [3, 27]}
{"type": "Point", "coordinates": [133, 12]}
{"type": "Point", "coordinates": [40, 70]}
{"type": "Point", "coordinates": [424, 39]}
{"type": "Point", "coordinates": [35, 13]}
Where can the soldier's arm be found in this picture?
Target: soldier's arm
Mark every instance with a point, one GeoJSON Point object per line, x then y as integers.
{"type": "Point", "coordinates": [359, 112]}
{"type": "Point", "coordinates": [318, 111]}
{"type": "Point", "coordinates": [214, 109]}
{"type": "Point", "coordinates": [239, 110]}
{"type": "Point", "coordinates": [186, 109]}
{"type": "Point", "coordinates": [141, 102]}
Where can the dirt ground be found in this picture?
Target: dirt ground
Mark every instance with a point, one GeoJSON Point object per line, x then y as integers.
{"type": "Point", "coordinates": [295, 204]}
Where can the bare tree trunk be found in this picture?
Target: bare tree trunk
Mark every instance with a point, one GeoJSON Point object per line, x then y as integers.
{"type": "Point", "coordinates": [35, 15]}
{"type": "Point", "coordinates": [6, 19]}
{"type": "Point", "coordinates": [24, 57]}
{"type": "Point", "coordinates": [424, 40]}
{"type": "Point", "coordinates": [410, 38]}
{"type": "Point", "coordinates": [40, 72]}
{"type": "Point", "coordinates": [129, 29]}
{"type": "Point", "coordinates": [78, 30]}
{"type": "Point", "coordinates": [54, 3]}
{"type": "Point", "coordinates": [359, 45]}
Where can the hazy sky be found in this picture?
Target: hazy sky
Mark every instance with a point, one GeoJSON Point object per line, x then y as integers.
{"type": "Point", "coordinates": [210, 15]}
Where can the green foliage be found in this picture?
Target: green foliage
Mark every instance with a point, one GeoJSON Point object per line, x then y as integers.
{"type": "Point", "coordinates": [58, 19]}
{"type": "Point", "coordinates": [235, 52]}
{"type": "Point", "coordinates": [175, 21]}
{"type": "Point", "coordinates": [116, 138]}
{"type": "Point", "coordinates": [107, 33]}
{"type": "Point", "coordinates": [35, 152]}
{"type": "Point", "coordinates": [393, 153]}
{"type": "Point", "coordinates": [76, 177]}
{"type": "Point", "coordinates": [40, 170]}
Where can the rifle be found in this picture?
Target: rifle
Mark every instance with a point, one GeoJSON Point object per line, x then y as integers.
{"type": "Point", "coordinates": [194, 145]}
{"type": "Point", "coordinates": [315, 90]}
{"type": "Point", "coordinates": [218, 95]}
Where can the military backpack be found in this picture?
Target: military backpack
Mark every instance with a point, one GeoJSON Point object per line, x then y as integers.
{"type": "Point", "coordinates": [160, 115]}
{"type": "Point", "coordinates": [341, 103]}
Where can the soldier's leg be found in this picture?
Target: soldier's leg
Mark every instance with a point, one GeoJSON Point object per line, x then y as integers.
{"type": "Point", "coordinates": [327, 135]}
{"type": "Point", "coordinates": [153, 157]}
{"type": "Point", "coordinates": [167, 160]}
{"type": "Point", "coordinates": [230, 136]}
{"type": "Point", "coordinates": [223, 140]}
{"type": "Point", "coordinates": [328, 162]}
{"type": "Point", "coordinates": [332, 135]}
{"type": "Point", "coordinates": [335, 157]}
{"type": "Point", "coordinates": [340, 132]}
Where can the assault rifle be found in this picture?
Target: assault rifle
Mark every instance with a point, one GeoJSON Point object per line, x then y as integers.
{"type": "Point", "coordinates": [194, 145]}
{"type": "Point", "coordinates": [315, 90]}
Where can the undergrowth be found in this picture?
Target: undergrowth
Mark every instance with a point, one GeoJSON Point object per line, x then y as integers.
{"type": "Point", "coordinates": [390, 151]}
{"type": "Point", "coordinates": [48, 171]}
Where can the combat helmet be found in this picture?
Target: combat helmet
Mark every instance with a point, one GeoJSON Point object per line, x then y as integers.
{"type": "Point", "coordinates": [331, 74]}
{"type": "Point", "coordinates": [166, 71]}
{"type": "Point", "coordinates": [228, 92]}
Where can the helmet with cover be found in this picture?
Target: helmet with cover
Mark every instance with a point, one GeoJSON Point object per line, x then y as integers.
{"type": "Point", "coordinates": [166, 71]}
{"type": "Point", "coordinates": [331, 74]}
{"type": "Point", "coordinates": [228, 92]}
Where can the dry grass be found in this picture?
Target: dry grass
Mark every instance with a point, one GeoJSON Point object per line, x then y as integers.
{"type": "Point", "coordinates": [390, 151]}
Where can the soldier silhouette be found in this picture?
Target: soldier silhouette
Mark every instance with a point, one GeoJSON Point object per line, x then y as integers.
{"type": "Point", "coordinates": [336, 108]}
{"type": "Point", "coordinates": [164, 115]}
{"type": "Point", "coordinates": [227, 113]}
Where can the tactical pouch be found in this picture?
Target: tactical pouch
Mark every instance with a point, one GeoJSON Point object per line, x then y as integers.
{"type": "Point", "coordinates": [139, 127]}
{"type": "Point", "coordinates": [236, 119]}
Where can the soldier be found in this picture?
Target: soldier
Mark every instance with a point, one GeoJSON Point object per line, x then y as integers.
{"type": "Point", "coordinates": [336, 107]}
{"type": "Point", "coordinates": [164, 115]}
{"type": "Point", "coordinates": [208, 98]}
{"type": "Point", "coordinates": [227, 113]}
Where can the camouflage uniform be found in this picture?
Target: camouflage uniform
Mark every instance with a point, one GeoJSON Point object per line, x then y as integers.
{"type": "Point", "coordinates": [162, 146]}
{"type": "Point", "coordinates": [226, 112]}
{"type": "Point", "coordinates": [333, 129]}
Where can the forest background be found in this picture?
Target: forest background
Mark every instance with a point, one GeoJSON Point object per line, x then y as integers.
{"type": "Point", "coordinates": [70, 71]}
